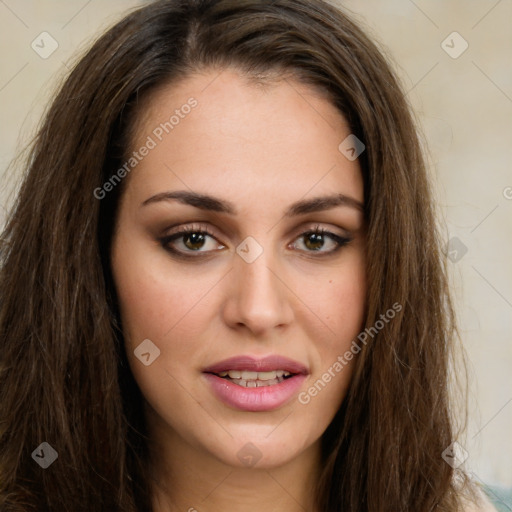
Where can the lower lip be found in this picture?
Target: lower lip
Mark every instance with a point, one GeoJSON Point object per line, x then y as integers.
{"type": "Point", "coordinates": [265, 398]}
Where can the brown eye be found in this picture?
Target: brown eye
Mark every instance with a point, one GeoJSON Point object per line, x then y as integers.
{"type": "Point", "coordinates": [190, 240]}
{"type": "Point", "coordinates": [315, 241]}
{"type": "Point", "coordinates": [193, 241]}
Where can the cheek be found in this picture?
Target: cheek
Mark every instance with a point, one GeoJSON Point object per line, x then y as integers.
{"type": "Point", "coordinates": [169, 310]}
{"type": "Point", "coordinates": [342, 302]}
{"type": "Point", "coordinates": [345, 301]}
{"type": "Point", "coordinates": [155, 302]}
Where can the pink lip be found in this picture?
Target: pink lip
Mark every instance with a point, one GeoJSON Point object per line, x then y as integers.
{"type": "Point", "coordinates": [251, 364]}
{"type": "Point", "coordinates": [265, 398]}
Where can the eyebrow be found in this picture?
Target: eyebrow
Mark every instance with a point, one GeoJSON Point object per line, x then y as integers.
{"type": "Point", "coordinates": [214, 204]}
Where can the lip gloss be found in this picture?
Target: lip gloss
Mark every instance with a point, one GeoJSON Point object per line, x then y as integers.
{"type": "Point", "coordinates": [258, 399]}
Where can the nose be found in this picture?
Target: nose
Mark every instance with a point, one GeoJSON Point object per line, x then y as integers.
{"type": "Point", "coordinates": [258, 296]}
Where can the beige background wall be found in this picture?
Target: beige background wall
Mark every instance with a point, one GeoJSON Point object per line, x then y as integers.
{"type": "Point", "coordinates": [463, 100]}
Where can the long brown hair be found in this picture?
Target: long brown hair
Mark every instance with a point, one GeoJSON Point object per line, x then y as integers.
{"type": "Point", "coordinates": [64, 378]}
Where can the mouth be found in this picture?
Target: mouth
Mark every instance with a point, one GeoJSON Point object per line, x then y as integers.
{"type": "Point", "coordinates": [250, 384]}
{"type": "Point", "coordinates": [248, 379]}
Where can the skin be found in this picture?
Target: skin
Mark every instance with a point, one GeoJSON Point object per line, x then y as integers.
{"type": "Point", "coordinates": [262, 149]}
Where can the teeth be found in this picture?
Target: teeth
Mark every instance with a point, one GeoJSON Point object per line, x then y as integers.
{"type": "Point", "coordinates": [248, 379]}
{"type": "Point", "coordinates": [256, 383]}
{"type": "Point", "coordinates": [254, 376]}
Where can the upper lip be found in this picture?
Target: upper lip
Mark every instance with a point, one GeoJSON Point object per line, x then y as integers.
{"type": "Point", "coordinates": [265, 364]}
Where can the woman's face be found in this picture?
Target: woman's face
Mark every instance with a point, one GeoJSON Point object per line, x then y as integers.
{"type": "Point", "coordinates": [233, 329]}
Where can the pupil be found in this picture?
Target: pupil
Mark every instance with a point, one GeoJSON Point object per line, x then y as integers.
{"type": "Point", "coordinates": [317, 239]}
{"type": "Point", "coordinates": [195, 238]}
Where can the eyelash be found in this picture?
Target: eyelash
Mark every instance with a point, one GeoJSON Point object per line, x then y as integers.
{"type": "Point", "coordinates": [165, 241]}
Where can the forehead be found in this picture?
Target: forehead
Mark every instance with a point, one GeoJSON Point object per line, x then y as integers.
{"type": "Point", "coordinates": [242, 140]}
